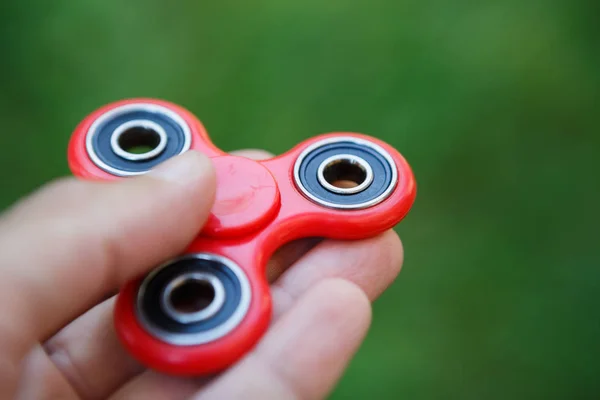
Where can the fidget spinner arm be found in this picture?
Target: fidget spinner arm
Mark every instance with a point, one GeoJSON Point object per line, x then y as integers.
{"type": "Point", "coordinates": [202, 311]}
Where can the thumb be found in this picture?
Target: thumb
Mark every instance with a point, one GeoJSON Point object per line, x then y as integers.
{"type": "Point", "coordinates": [64, 249]}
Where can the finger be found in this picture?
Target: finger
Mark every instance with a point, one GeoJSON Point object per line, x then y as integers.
{"type": "Point", "coordinates": [305, 352]}
{"type": "Point", "coordinates": [254, 154]}
{"type": "Point", "coordinates": [287, 255]}
{"type": "Point", "coordinates": [151, 385]}
{"type": "Point", "coordinates": [71, 244]}
{"type": "Point", "coordinates": [90, 355]}
{"type": "Point", "coordinates": [39, 380]}
{"type": "Point", "coordinates": [372, 264]}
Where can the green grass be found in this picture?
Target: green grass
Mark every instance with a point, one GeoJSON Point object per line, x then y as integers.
{"type": "Point", "coordinates": [494, 104]}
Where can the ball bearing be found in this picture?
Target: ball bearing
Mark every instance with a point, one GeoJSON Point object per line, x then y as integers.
{"type": "Point", "coordinates": [345, 173]}
{"type": "Point", "coordinates": [194, 299]}
{"type": "Point", "coordinates": [134, 138]}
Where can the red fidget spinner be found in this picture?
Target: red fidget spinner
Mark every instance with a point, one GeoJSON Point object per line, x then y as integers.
{"type": "Point", "coordinates": [201, 312]}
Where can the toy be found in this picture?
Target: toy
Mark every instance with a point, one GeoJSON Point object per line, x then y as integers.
{"type": "Point", "coordinates": [201, 312]}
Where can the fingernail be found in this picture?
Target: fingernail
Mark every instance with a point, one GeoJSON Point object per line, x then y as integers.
{"type": "Point", "coordinates": [183, 169]}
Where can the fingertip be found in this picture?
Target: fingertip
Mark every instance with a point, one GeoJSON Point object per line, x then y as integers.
{"type": "Point", "coordinates": [189, 168]}
{"type": "Point", "coordinates": [254, 154]}
{"type": "Point", "coordinates": [372, 264]}
{"type": "Point", "coordinates": [395, 251]}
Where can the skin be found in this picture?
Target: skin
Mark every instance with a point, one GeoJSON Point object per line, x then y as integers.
{"type": "Point", "coordinates": [67, 249]}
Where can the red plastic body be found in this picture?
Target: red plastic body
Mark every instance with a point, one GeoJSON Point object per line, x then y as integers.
{"type": "Point", "coordinates": [257, 209]}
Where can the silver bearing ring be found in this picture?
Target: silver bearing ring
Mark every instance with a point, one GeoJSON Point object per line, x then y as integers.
{"type": "Point", "coordinates": [324, 169]}
{"type": "Point", "coordinates": [193, 299]}
{"type": "Point", "coordinates": [162, 131]}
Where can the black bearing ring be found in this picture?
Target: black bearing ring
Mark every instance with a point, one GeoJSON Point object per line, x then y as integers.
{"type": "Point", "coordinates": [172, 134]}
{"type": "Point", "coordinates": [163, 324]}
{"type": "Point", "coordinates": [379, 171]}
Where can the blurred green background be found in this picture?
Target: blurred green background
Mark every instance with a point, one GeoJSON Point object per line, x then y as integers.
{"type": "Point", "coordinates": [494, 104]}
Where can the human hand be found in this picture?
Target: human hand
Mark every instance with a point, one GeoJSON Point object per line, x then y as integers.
{"type": "Point", "coordinates": [67, 249]}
